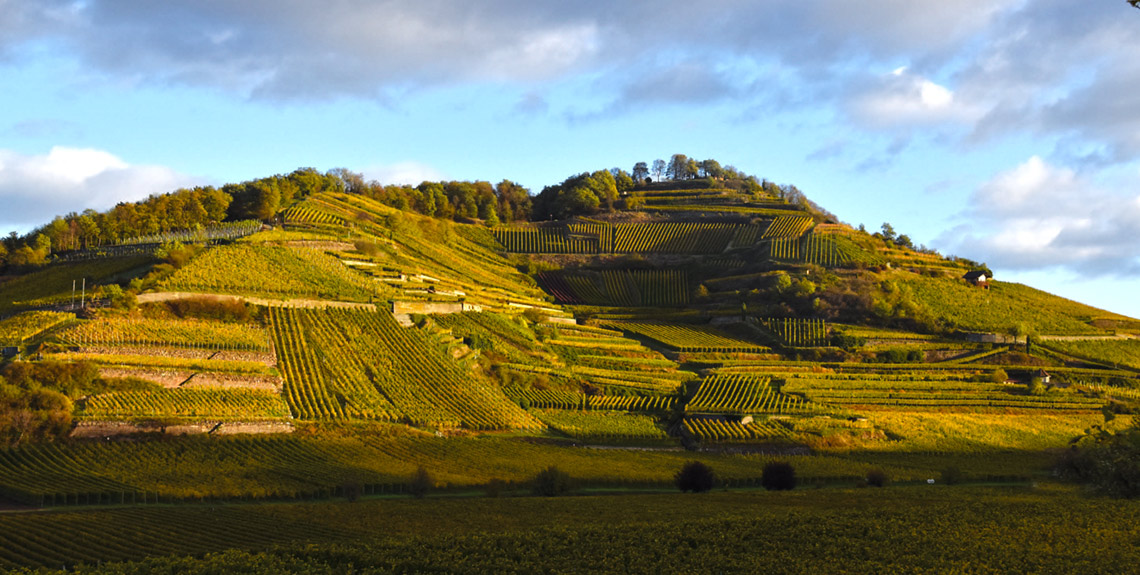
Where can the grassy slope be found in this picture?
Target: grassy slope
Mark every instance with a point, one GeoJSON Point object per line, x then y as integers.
{"type": "Point", "coordinates": [1002, 307]}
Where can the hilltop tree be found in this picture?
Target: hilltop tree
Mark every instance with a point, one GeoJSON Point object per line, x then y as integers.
{"type": "Point", "coordinates": [681, 167]}
{"type": "Point", "coordinates": [584, 194]}
{"type": "Point", "coordinates": [640, 172]}
{"type": "Point", "coordinates": [888, 232]}
{"type": "Point", "coordinates": [711, 169]}
{"type": "Point", "coordinates": [659, 168]}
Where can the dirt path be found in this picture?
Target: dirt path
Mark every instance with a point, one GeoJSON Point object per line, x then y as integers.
{"type": "Point", "coordinates": [298, 303]}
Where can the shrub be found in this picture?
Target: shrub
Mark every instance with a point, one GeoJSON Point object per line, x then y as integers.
{"type": "Point", "coordinates": [778, 476]}
{"type": "Point", "coordinates": [877, 478]}
{"type": "Point", "coordinates": [696, 477]}
{"type": "Point", "coordinates": [210, 307]}
{"type": "Point", "coordinates": [551, 482]}
{"type": "Point", "coordinates": [1108, 463]}
{"type": "Point", "coordinates": [495, 487]}
{"type": "Point", "coordinates": [420, 483]}
{"type": "Point", "coordinates": [999, 376]}
{"type": "Point", "coordinates": [951, 476]}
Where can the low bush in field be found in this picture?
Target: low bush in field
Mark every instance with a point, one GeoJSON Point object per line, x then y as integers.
{"type": "Point", "coordinates": [877, 478]}
{"type": "Point", "coordinates": [551, 482]}
{"type": "Point", "coordinates": [696, 477]}
{"type": "Point", "coordinates": [778, 476]}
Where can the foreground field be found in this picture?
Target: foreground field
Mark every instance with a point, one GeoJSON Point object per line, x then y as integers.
{"type": "Point", "coordinates": [936, 529]}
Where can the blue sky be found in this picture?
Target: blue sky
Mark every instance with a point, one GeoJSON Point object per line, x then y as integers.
{"type": "Point", "coordinates": [1002, 131]}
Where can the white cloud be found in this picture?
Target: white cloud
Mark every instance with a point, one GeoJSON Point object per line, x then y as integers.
{"type": "Point", "coordinates": [903, 99]}
{"type": "Point", "coordinates": [1041, 216]}
{"type": "Point", "coordinates": [36, 188]}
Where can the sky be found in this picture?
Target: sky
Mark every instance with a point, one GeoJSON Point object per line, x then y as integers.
{"type": "Point", "coordinates": [1006, 132]}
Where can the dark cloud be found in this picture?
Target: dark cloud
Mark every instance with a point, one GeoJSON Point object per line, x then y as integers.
{"type": "Point", "coordinates": [991, 68]}
{"type": "Point", "coordinates": [293, 48]}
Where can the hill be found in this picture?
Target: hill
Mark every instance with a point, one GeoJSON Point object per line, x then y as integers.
{"type": "Point", "coordinates": [355, 333]}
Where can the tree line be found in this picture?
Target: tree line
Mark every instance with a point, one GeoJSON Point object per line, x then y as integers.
{"type": "Point", "coordinates": [586, 194]}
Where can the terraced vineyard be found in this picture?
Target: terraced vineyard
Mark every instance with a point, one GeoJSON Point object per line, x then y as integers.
{"type": "Point", "coordinates": [909, 392]}
{"type": "Point", "coordinates": [61, 283]}
{"type": "Point", "coordinates": [661, 288]}
{"type": "Point", "coordinates": [689, 338]}
{"type": "Point", "coordinates": [824, 250]}
{"type": "Point", "coordinates": [717, 430]}
{"type": "Point", "coordinates": [742, 394]}
{"type": "Point", "coordinates": [534, 240]}
{"type": "Point", "coordinates": [550, 399]}
{"type": "Point", "coordinates": [109, 330]}
{"type": "Point", "coordinates": [601, 425]}
{"type": "Point", "coordinates": [21, 327]}
{"type": "Point", "coordinates": [304, 214]}
{"type": "Point", "coordinates": [201, 403]}
{"type": "Point", "coordinates": [673, 237]}
{"type": "Point", "coordinates": [342, 363]}
{"type": "Point", "coordinates": [787, 227]}
{"type": "Point", "coordinates": [273, 271]}
{"type": "Point", "coordinates": [798, 332]}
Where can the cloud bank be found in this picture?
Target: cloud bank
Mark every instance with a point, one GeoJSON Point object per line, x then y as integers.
{"type": "Point", "coordinates": [38, 188]}
{"type": "Point", "coordinates": [1041, 216]}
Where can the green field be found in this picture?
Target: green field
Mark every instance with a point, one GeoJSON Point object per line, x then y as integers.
{"type": "Point", "coordinates": [901, 529]}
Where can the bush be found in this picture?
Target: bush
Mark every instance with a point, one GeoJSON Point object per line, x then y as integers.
{"type": "Point", "coordinates": [877, 478]}
{"type": "Point", "coordinates": [951, 476]}
{"type": "Point", "coordinates": [210, 307]}
{"type": "Point", "coordinates": [696, 477]}
{"type": "Point", "coordinates": [551, 482]}
{"type": "Point", "coordinates": [495, 487]}
{"type": "Point", "coordinates": [1108, 463]}
{"type": "Point", "coordinates": [778, 476]}
{"type": "Point", "coordinates": [420, 483]}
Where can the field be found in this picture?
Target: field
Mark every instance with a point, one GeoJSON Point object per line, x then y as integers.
{"type": "Point", "coordinates": [915, 529]}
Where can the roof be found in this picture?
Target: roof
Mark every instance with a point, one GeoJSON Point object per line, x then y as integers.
{"type": "Point", "coordinates": [976, 275]}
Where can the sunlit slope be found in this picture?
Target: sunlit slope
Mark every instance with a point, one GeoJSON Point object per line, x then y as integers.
{"type": "Point", "coordinates": [1002, 308]}
{"type": "Point", "coordinates": [416, 257]}
{"type": "Point", "coordinates": [60, 283]}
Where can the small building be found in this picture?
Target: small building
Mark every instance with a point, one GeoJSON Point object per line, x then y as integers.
{"type": "Point", "coordinates": [1043, 376]}
{"type": "Point", "coordinates": [979, 278]}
